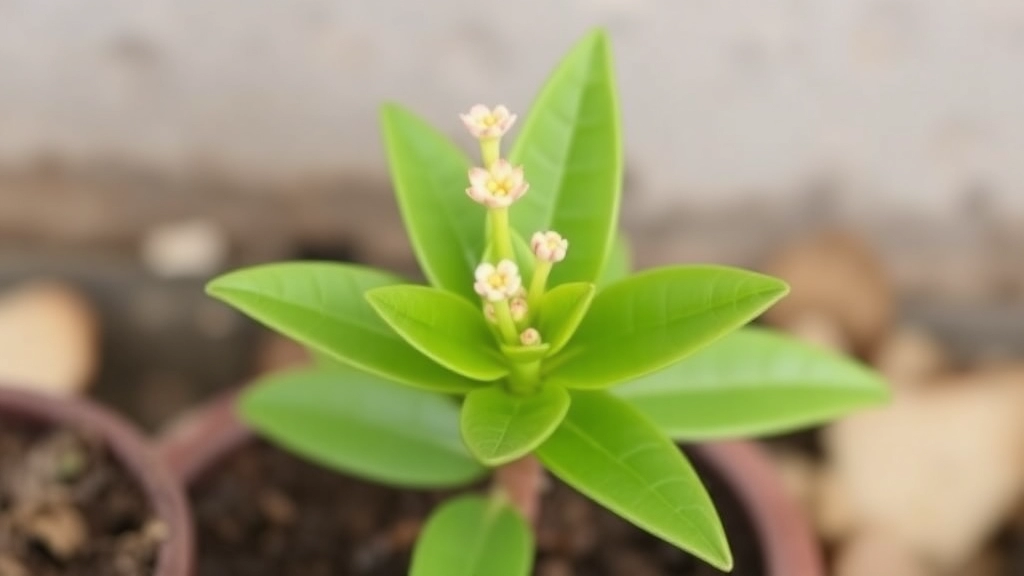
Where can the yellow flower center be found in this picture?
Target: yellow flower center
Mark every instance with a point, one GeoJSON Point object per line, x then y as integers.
{"type": "Point", "coordinates": [496, 280]}
{"type": "Point", "coordinates": [499, 187]}
{"type": "Point", "coordinates": [489, 120]}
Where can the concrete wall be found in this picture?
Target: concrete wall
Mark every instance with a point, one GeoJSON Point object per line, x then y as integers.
{"type": "Point", "coordinates": [903, 105]}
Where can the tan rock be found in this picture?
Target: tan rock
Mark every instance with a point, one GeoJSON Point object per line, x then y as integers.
{"type": "Point", "coordinates": [61, 530]}
{"type": "Point", "coordinates": [910, 357]}
{"type": "Point", "coordinates": [989, 562]}
{"type": "Point", "coordinates": [877, 553]}
{"type": "Point", "coordinates": [798, 474]}
{"type": "Point", "coordinates": [188, 248]}
{"type": "Point", "coordinates": [49, 339]}
{"type": "Point", "coordinates": [838, 276]}
{"type": "Point", "coordinates": [831, 510]}
{"type": "Point", "coordinates": [940, 470]}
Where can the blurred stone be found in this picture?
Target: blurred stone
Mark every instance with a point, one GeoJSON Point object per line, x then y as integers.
{"type": "Point", "coordinates": [820, 330]}
{"type": "Point", "coordinates": [941, 469]}
{"type": "Point", "coordinates": [798, 473]}
{"type": "Point", "coordinates": [877, 553]}
{"type": "Point", "coordinates": [62, 531]}
{"type": "Point", "coordinates": [276, 353]}
{"type": "Point", "coordinates": [186, 249]}
{"type": "Point", "coordinates": [832, 513]}
{"type": "Point", "coordinates": [9, 566]}
{"type": "Point", "coordinates": [989, 562]}
{"type": "Point", "coordinates": [910, 357]}
{"type": "Point", "coordinates": [49, 339]}
{"type": "Point", "coordinates": [840, 277]}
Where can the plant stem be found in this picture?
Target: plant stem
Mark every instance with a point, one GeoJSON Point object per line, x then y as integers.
{"type": "Point", "coordinates": [506, 325]}
{"type": "Point", "coordinates": [522, 481]}
{"type": "Point", "coordinates": [537, 285]}
{"type": "Point", "coordinates": [524, 378]}
{"type": "Point", "coordinates": [490, 150]}
{"type": "Point", "coordinates": [501, 236]}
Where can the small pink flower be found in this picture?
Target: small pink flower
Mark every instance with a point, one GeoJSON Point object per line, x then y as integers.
{"type": "Point", "coordinates": [549, 246]}
{"type": "Point", "coordinates": [483, 122]}
{"type": "Point", "coordinates": [519, 308]}
{"type": "Point", "coordinates": [530, 337]}
{"type": "Point", "coordinates": [499, 282]}
{"type": "Point", "coordinates": [497, 187]}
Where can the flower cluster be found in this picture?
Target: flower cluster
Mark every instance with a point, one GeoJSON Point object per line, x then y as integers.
{"type": "Point", "coordinates": [496, 186]}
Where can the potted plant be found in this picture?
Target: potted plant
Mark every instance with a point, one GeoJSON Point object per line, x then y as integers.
{"type": "Point", "coordinates": [83, 493]}
{"type": "Point", "coordinates": [533, 349]}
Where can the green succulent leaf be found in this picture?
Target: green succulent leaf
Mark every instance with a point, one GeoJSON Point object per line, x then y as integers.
{"type": "Point", "coordinates": [443, 326]}
{"type": "Point", "coordinates": [471, 536]}
{"type": "Point", "coordinates": [321, 305]}
{"type": "Point", "coordinates": [619, 263]}
{"type": "Point", "coordinates": [561, 311]}
{"type": "Point", "coordinates": [753, 382]}
{"type": "Point", "coordinates": [360, 424]}
{"type": "Point", "coordinates": [655, 318]}
{"type": "Point", "coordinates": [500, 427]}
{"type": "Point", "coordinates": [571, 150]}
{"type": "Point", "coordinates": [430, 177]}
{"type": "Point", "coordinates": [612, 454]}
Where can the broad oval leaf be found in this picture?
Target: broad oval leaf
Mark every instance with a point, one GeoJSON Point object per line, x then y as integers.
{"type": "Point", "coordinates": [443, 326]}
{"type": "Point", "coordinates": [500, 427]}
{"type": "Point", "coordinates": [609, 452]}
{"type": "Point", "coordinates": [561, 311]}
{"type": "Point", "coordinates": [430, 177]}
{"type": "Point", "coordinates": [471, 536]}
{"type": "Point", "coordinates": [619, 263]}
{"type": "Point", "coordinates": [321, 305]}
{"type": "Point", "coordinates": [361, 424]}
{"type": "Point", "coordinates": [753, 382]}
{"type": "Point", "coordinates": [657, 317]}
{"type": "Point", "coordinates": [570, 147]}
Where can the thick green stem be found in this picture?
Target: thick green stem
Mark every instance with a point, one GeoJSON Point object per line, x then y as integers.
{"type": "Point", "coordinates": [501, 236]}
{"type": "Point", "coordinates": [506, 325]}
{"type": "Point", "coordinates": [538, 285]}
{"type": "Point", "coordinates": [490, 150]}
{"type": "Point", "coordinates": [524, 378]}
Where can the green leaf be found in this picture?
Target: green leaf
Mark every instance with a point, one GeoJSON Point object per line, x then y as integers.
{"type": "Point", "coordinates": [653, 319]}
{"type": "Point", "coordinates": [561, 311]}
{"type": "Point", "coordinates": [500, 427]}
{"type": "Point", "coordinates": [361, 424]}
{"type": "Point", "coordinates": [471, 536]}
{"type": "Point", "coordinates": [430, 177]}
{"type": "Point", "coordinates": [753, 382]}
{"type": "Point", "coordinates": [608, 451]}
{"type": "Point", "coordinates": [619, 263]}
{"type": "Point", "coordinates": [443, 326]}
{"type": "Point", "coordinates": [321, 305]}
{"type": "Point", "coordinates": [571, 150]}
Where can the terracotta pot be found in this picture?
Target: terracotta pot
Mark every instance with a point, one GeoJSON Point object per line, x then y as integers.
{"type": "Point", "coordinates": [200, 439]}
{"type": "Point", "coordinates": [133, 452]}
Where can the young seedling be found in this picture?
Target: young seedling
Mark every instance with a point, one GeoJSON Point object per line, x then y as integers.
{"type": "Point", "coordinates": [533, 346]}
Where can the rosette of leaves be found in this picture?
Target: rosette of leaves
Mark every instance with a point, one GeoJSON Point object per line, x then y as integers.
{"type": "Point", "coordinates": [417, 390]}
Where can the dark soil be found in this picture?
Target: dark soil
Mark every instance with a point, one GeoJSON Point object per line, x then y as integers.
{"type": "Point", "coordinates": [67, 508]}
{"type": "Point", "coordinates": [266, 513]}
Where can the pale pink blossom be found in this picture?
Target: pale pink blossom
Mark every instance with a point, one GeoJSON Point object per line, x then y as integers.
{"type": "Point", "coordinates": [484, 123]}
{"type": "Point", "coordinates": [497, 187]}
{"type": "Point", "coordinates": [499, 282]}
{"type": "Point", "coordinates": [518, 307]}
{"type": "Point", "coordinates": [549, 246]}
{"type": "Point", "coordinates": [530, 337]}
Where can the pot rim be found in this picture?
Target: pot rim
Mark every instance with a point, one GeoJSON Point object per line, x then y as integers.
{"type": "Point", "coordinates": [134, 452]}
{"type": "Point", "coordinates": [197, 440]}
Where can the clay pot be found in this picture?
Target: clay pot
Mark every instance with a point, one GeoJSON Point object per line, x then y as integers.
{"type": "Point", "coordinates": [201, 438]}
{"type": "Point", "coordinates": [133, 452]}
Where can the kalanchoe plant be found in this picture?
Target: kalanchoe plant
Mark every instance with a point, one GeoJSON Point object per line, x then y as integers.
{"type": "Point", "coordinates": [532, 344]}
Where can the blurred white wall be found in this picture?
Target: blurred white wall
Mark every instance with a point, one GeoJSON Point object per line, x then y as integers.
{"type": "Point", "coordinates": [909, 104]}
